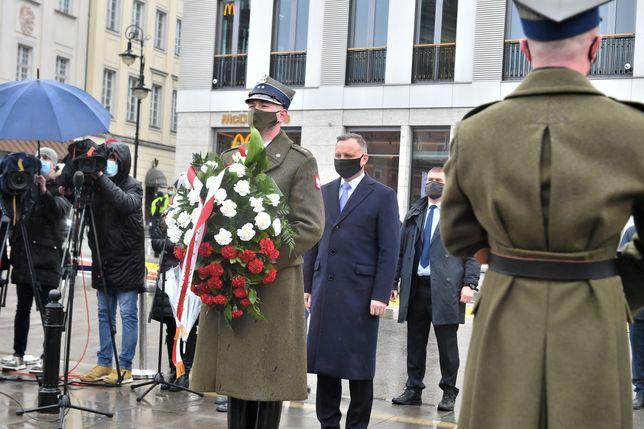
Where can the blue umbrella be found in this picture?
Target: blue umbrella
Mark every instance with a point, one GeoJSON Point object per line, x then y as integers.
{"type": "Point", "coordinates": [37, 109]}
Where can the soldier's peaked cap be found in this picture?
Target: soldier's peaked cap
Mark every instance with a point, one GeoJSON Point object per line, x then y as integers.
{"type": "Point", "coordinates": [548, 20]}
{"type": "Point", "coordinates": [273, 91]}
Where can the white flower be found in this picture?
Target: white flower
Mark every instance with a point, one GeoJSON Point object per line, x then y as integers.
{"type": "Point", "coordinates": [246, 232]}
{"type": "Point", "coordinates": [274, 199]}
{"type": "Point", "coordinates": [174, 234]}
{"type": "Point", "coordinates": [223, 237]}
{"type": "Point", "coordinates": [277, 226]}
{"type": "Point", "coordinates": [210, 182]}
{"type": "Point", "coordinates": [194, 216]}
{"type": "Point", "coordinates": [256, 204]}
{"type": "Point", "coordinates": [177, 200]}
{"type": "Point", "coordinates": [193, 197]}
{"type": "Point", "coordinates": [187, 237]}
{"type": "Point", "coordinates": [204, 168]}
{"type": "Point", "coordinates": [220, 196]}
{"type": "Point", "coordinates": [238, 169]}
{"type": "Point", "coordinates": [237, 157]}
{"type": "Point", "coordinates": [229, 208]}
{"type": "Point", "coordinates": [184, 219]}
{"type": "Point", "coordinates": [242, 187]}
{"type": "Point", "coordinates": [212, 164]}
{"type": "Point", "coordinates": [262, 221]}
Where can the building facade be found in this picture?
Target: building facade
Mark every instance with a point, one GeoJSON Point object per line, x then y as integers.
{"type": "Point", "coordinates": [402, 73]}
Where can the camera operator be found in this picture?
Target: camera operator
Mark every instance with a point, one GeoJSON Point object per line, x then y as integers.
{"type": "Point", "coordinates": [44, 225]}
{"type": "Point", "coordinates": [117, 208]}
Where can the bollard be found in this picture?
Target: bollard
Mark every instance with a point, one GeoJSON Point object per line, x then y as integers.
{"type": "Point", "coordinates": [54, 324]}
{"type": "Point", "coordinates": [142, 373]}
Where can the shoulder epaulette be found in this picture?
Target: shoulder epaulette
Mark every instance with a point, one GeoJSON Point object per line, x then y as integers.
{"type": "Point", "coordinates": [304, 151]}
{"type": "Point", "coordinates": [479, 109]}
{"type": "Point", "coordinates": [634, 104]}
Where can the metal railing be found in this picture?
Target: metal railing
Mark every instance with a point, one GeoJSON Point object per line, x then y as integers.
{"type": "Point", "coordinates": [614, 58]}
{"type": "Point", "coordinates": [289, 67]}
{"type": "Point", "coordinates": [229, 71]}
{"type": "Point", "coordinates": [433, 62]}
{"type": "Point", "coordinates": [366, 65]}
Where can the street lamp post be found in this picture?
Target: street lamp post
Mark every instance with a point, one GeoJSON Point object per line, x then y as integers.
{"type": "Point", "coordinates": [134, 32]}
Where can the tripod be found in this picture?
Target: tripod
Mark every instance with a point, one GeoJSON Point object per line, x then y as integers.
{"type": "Point", "coordinates": [158, 377]}
{"type": "Point", "coordinates": [82, 210]}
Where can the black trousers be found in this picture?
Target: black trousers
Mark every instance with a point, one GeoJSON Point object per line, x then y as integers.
{"type": "Point", "coordinates": [23, 311]}
{"type": "Point", "coordinates": [244, 414]}
{"type": "Point", "coordinates": [189, 354]}
{"type": "Point", "coordinates": [419, 321]}
{"type": "Point", "coordinates": [327, 403]}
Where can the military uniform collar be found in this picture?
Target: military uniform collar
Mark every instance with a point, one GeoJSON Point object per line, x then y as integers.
{"type": "Point", "coordinates": [554, 80]}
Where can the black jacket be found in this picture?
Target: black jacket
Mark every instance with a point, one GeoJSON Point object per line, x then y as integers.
{"type": "Point", "coordinates": [117, 207]}
{"type": "Point", "coordinates": [161, 303]}
{"type": "Point", "coordinates": [45, 232]}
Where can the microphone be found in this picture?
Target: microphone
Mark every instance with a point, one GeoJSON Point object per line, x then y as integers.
{"type": "Point", "coordinates": [79, 179]}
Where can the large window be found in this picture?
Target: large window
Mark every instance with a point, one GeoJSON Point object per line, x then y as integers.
{"type": "Point", "coordinates": [430, 148]}
{"type": "Point", "coordinates": [177, 38]}
{"type": "Point", "coordinates": [173, 112]}
{"type": "Point", "coordinates": [111, 21]}
{"type": "Point", "coordinates": [109, 82]}
{"type": "Point", "coordinates": [159, 30]}
{"type": "Point", "coordinates": [65, 6]}
{"type": "Point", "coordinates": [155, 106]}
{"type": "Point", "coordinates": [131, 99]}
{"type": "Point", "coordinates": [434, 40]}
{"type": "Point", "coordinates": [233, 18]}
{"type": "Point", "coordinates": [384, 153]}
{"type": "Point", "coordinates": [290, 29]}
{"type": "Point", "coordinates": [23, 62]}
{"type": "Point", "coordinates": [367, 52]}
{"type": "Point", "coordinates": [138, 13]}
{"type": "Point", "coordinates": [62, 69]}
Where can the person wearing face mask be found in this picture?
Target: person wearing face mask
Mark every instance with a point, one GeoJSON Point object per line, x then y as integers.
{"type": "Point", "coordinates": [347, 283]}
{"type": "Point", "coordinates": [434, 288]}
{"type": "Point", "coordinates": [117, 207]}
{"type": "Point", "coordinates": [45, 221]}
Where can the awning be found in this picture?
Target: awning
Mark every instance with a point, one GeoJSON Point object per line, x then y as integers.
{"type": "Point", "coordinates": [30, 147]}
{"type": "Point", "coordinates": [155, 178]}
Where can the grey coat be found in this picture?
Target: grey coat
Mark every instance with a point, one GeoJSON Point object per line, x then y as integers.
{"type": "Point", "coordinates": [449, 273]}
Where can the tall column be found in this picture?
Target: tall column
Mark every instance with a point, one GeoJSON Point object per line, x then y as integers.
{"type": "Point", "coordinates": [463, 61]}
{"type": "Point", "coordinates": [259, 40]}
{"type": "Point", "coordinates": [404, 169]}
{"type": "Point", "coordinates": [400, 42]}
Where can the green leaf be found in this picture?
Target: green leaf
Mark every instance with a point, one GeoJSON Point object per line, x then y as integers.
{"type": "Point", "coordinates": [256, 155]}
{"type": "Point", "coordinates": [252, 296]}
{"type": "Point", "coordinates": [228, 313]}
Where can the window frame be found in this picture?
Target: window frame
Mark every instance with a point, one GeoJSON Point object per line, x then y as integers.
{"type": "Point", "coordinates": [174, 118]}
{"type": "Point", "coordinates": [64, 76]}
{"type": "Point", "coordinates": [64, 6]}
{"type": "Point", "coordinates": [292, 42]}
{"type": "Point", "coordinates": [371, 25]}
{"type": "Point", "coordinates": [24, 67]}
{"type": "Point", "coordinates": [112, 22]}
{"type": "Point", "coordinates": [143, 5]}
{"type": "Point", "coordinates": [156, 106]}
{"type": "Point", "coordinates": [131, 99]}
{"type": "Point", "coordinates": [177, 37]}
{"type": "Point", "coordinates": [112, 93]}
{"type": "Point", "coordinates": [160, 39]}
{"type": "Point", "coordinates": [234, 49]}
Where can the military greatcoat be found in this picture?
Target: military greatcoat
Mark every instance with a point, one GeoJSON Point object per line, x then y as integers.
{"type": "Point", "coordinates": [266, 360]}
{"type": "Point", "coordinates": [551, 172]}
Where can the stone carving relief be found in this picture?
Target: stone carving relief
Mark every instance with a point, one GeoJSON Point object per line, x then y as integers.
{"type": "Point", "coordinates": [27, 20]}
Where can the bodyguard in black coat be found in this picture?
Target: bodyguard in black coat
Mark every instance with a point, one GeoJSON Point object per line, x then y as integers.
{"type": "Point", "coordinates": [347, 281]}
{"type": "Point", "coordinates": [434, 287]}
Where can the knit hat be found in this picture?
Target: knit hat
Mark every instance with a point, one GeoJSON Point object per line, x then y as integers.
{"type": "Point", "coordinates": [49, 153]}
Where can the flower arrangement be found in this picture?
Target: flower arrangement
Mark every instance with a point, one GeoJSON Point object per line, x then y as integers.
{"type": "Point", "coordinates": [227, 225]}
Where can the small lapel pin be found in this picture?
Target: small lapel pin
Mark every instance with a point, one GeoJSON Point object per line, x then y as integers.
{"type": "Point", "coordinates": [278, 155]}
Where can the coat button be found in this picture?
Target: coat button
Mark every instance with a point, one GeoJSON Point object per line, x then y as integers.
{"type": "Point", "coordinates": [330, 278]}
{"type": "Point", "coordinates": [332, 252]}
{"type": "Point", "coordinates": [336, 227]}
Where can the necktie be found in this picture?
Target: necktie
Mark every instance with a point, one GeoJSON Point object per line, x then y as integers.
{"type": "Point", "coordinates": [427, 238]}
{"type": "Point", "coordinates": [344, 196]}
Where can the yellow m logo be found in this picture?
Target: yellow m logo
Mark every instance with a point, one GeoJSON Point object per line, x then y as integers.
{"type": "Point", "coordinates": [229, 9]}
{"type": "Point", "coordinates": [240, 139]}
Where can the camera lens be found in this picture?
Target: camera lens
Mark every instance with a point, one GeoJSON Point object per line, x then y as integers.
{"type": "Point", "coordinates": [18, 181]}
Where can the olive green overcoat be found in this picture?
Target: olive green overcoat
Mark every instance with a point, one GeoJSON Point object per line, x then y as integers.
{"type": "Point", "coordinates": [266, 360]}
{"type": "Point", "coordinates": [551, 172]}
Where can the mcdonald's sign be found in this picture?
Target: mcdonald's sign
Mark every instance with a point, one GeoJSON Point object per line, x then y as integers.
{"type": "Point", "coordinates": [229, 9]}
{"type": "Point", "coordinates": [240, 139]}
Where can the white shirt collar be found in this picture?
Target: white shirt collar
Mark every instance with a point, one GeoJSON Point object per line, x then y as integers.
{"type": "Point", "coordinates": [353, 182]}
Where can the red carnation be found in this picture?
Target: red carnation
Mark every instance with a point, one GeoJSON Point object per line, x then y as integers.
{"type": "Point", "coordinates": [194, 288]}
{"type": "Point", "coordinates": [207, 299]}
{"type": "Point", "coordinates": [179, 252]}
{"type": "Point", "coordinates": [203, 272]}
{"type": "Point", "coordinates": [266, 245]}
{"type": "Point", "coordinates": [205, 250]}
{"type": "Point", "coordinates": [245, 302]}
{"type": "Point", "coordinates": [229, 252]}
{"type": "Point", "coordinates": [247, 255]}
{"type": "Point", "coordinates": [274, 254]}
{"type": "Point", "coordinates": [240, 293]}
{"type": "Point", "coordinates": [216, 269]}
{"type": "Point", "coordinates": [215, 283]}
{"type": "Point", "coordinates": [238, 281]}
{"type": "Point", "coordinates": [270, 276]}
{"type": "Point", "coordinates": [237, 313]}
{"type": "Point", "coordinates": [255, 266]}
{"type": "Point", "coordinates": [220, 300]}
{"type": "Point", "coordinates": [242, 150]}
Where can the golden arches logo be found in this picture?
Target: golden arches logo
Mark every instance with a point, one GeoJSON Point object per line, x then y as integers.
{"type": "Point", "coordinates": [240, 139]}
{"type": "Point", "coordinates": [229, 9]}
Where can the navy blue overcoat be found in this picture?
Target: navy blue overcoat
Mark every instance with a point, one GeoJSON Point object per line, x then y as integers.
{"type": "Point", "coordinates": [353, 263]}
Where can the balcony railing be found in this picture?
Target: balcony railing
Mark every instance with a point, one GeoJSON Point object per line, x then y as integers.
{"type": "Point", "coordinates": [366, 65]}
{"type": "Point", "coordinates": [229, 71]}
{"type": "Point", "coordinates": [614, 58]}
{"type": "Point", "coordinates": [433, 62]}
{"type": "Point", "coordinates": [289, 67]}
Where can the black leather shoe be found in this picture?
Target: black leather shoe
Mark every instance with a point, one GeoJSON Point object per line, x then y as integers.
{"type": "Point", "coordinates": [222, 408]}
{"type": "Point", "coordinates": [409, 397]}
{"type": "Point", "coordinates": [638, 402]}
{"type": "Point", "coordinates": [171, 377]}
{"type": "Point", "coordinates": [449, 399]}
{"type": "Point", "coordinates": [183, 381]}
{"type": "Point", "coordinates": [221, 400]}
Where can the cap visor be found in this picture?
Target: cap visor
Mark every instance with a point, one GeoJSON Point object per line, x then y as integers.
{"type": "Point", "coordinates": [264, 97]}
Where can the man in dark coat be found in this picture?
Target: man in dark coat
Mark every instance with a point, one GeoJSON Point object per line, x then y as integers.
{"type": "Point", "coordinates": [43, 224]}
{"type": "Point", "coordinates": [347, 281]}
{"type": "Point", "coordinates": [117, 207]}
{"type": "Point", "coordinates": [434, 288]}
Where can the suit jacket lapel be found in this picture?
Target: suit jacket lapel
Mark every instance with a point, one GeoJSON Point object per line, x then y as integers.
{"type": "Point", "coordinates": [333, 197]}
{"type": "Point", "coordinates": [360, 193]}
{"type": "Point", "coordinates": [277, 150]}
{"type": "Point", "coordinates": [437, 233]}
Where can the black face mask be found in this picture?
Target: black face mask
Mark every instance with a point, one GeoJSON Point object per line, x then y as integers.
{"type": "Point", "coordinates": [261, 119]}
{"type": "Point", "coordinates": [347, 167]}
{"type": "Point", "coordinates": [434, 190]}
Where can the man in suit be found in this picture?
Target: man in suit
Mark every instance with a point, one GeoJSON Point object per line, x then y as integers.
{"type": "Point", "coordinates": [434, 289]}
{"type": "Point", "coordinates": [347, 281]}
{"type": "Point", "coordinates": [259, 364]}
{"type": "Point", "coordinates": [524, 192]}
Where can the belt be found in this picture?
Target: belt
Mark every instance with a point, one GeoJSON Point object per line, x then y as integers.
{"type": "Point", "coordinates": [553, 270]}
{"type": "Point", "coordinates": [423, 279]}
